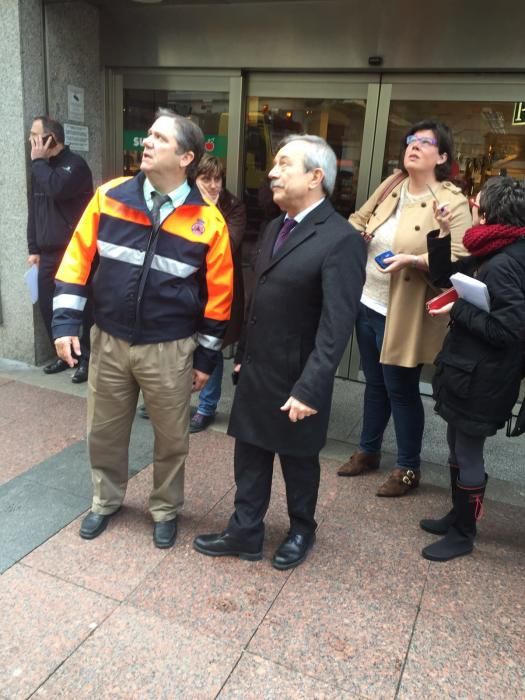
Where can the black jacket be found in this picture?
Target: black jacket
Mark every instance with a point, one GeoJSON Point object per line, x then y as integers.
{"type": "Point", "coordinates": [301, 317]}
{"type": "Point", "coordinates": [480, 366]}
{"type": "Point", "coordinates": [61, 187]}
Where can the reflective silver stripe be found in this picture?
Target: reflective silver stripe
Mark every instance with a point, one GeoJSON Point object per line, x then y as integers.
{"type": "Point", "coordinates": [69, 301]}
{"type": "Point", "coordinates": [120, 252]}
{"type": "Point", "coordinates": [172, 267]}
{"type": "Point", "coordinates": [209, 341]}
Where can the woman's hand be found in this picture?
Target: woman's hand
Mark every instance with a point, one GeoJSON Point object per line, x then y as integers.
{"type": "Point", "coordinates": [443, 310]}
{"type": "Point", "coordinates": [397, 262]}
{"type": "Point", "coordinates": [443, 216]}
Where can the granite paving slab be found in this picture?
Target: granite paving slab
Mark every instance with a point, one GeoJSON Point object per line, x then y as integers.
{"type": "Point", "coordinates": [222, 596]}
{"type": "Point", "coordinates": [454, 658]}
{"type": "Point", "coordinates": [368, 561]}
{"type": "Point", "coordinates": [115, 562]}
{"type": "Point", "coordinates": [255, 678]}
{"type": "Point", "coordinates": [41, 423]}
{"type": "Point", "coordinates": [342, 639]}
{"type": "Point", "coordinates": [486, 590]}
{"type": "Point", "coordinates": [137, 654]}
{"type": "Point", "coordinates": [43, 621]}
{"type": "Point", "coordinates": [29, 514]}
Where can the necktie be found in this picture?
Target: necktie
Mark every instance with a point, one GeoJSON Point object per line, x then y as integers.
{"type": "Point", "coordinates": [158, 201]}
{"type": "Point", "coordinates": [283, 234]}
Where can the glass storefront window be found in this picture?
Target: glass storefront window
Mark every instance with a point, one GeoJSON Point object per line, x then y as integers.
{"type": "Point", "coordinates": [487, 142]}
{"type": "Point", "coordinates": [207, 109]}
{"type": "Point", "coordinates": [269, 119]}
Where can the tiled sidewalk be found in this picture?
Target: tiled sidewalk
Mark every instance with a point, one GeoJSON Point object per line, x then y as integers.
{"type": "Point", "coordinates": [364, 617]}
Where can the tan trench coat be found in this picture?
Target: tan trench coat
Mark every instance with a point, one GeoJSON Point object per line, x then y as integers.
{"type": "Point", "coordinates": [412, 336]}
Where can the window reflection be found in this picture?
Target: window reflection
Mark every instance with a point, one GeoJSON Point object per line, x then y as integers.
{"type": "Point", "coordinates": [486, 139]}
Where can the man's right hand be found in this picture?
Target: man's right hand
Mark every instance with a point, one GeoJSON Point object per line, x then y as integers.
{"type": "Point", "coordinates": [237, 368]}
{"type": "Point", "coordinates": [33, 260]}
{"type": "Point", "coordinates": [63, 347]}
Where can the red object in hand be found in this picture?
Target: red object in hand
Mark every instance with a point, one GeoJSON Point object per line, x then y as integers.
{"type": "Point", "coordinates": [442, 299]}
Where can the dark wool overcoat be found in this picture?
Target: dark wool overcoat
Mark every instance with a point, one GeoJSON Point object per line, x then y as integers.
{"type": "Point", "coordinates": [301, 316]}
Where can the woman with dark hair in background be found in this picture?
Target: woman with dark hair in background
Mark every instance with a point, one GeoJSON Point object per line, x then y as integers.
{"type": "Point", "coordinates": [394, 333]}
{"type": "Point", "coordinates": [480, 367]}
{"type": "Point", "coordinates": [211, 181]}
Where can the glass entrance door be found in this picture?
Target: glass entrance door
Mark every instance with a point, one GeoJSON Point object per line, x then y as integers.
{"type": "Point", "coordinates": [212, 100]}
{"type": "Point", "coordinates": [484, 115]}
{"type": "Point", "coordinates": [341, 109]}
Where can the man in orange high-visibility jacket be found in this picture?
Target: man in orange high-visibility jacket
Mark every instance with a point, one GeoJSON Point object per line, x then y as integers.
{"type": "Point", "coordinates": [161, 297]}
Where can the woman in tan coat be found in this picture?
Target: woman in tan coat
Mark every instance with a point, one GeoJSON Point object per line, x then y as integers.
{"type": "Point", "coordinates": [396, 336]}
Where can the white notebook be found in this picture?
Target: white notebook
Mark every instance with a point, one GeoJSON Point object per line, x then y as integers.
{"type": "Point", "coordinates": [472, 290]}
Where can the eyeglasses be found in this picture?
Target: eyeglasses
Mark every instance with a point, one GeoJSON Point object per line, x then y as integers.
{"type": "Point", "coordinates": [421, 140]}
{"type": "Point", "coordinates": [472, 203]}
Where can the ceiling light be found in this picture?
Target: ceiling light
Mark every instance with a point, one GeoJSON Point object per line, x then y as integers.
{"type": "Point", "coordinates": [149, 2]}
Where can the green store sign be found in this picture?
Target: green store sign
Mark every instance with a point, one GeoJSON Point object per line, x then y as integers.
{"type": "Point", "coordinates": [214, 145]}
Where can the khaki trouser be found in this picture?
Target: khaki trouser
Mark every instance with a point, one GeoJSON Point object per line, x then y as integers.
{"type": "Point", "coordinates": [117, 372]}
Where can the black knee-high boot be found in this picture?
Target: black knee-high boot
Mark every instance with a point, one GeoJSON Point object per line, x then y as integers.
{"type": "Point", "coordinates": [459, 540]}
{"type": "Point", "coordinates": [440, 526]}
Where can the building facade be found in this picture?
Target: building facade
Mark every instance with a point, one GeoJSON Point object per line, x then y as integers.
{"type": "Point", "coordinates": [357, 73]}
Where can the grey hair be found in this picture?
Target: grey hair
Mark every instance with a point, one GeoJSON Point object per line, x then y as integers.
{"type": "Point", "coordinates": [318, 154]}
{"type": "Point", "coordinates": [189, 137]}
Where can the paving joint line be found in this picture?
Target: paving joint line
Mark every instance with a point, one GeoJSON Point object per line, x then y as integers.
{"type": "Point", "coordinates": [418, 611]}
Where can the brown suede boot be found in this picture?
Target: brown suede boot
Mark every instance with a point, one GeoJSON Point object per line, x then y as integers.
{"type": "Point", "coordinates": [399, 482]}
{"type": "Point", "coordinates": [359, 463]}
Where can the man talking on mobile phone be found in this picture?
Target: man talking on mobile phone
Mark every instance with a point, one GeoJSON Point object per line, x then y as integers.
{"type": "Point", "coordinates": [61, 187]}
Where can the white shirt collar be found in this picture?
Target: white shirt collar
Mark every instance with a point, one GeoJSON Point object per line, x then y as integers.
{"type": "Point", "coordinates": [177, 196]}
{"type": "Point", "coordinates": [301, 215]}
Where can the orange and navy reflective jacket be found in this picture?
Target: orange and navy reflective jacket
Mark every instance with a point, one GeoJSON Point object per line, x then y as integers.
{"type": "Point", "coordinates": [148, 288]}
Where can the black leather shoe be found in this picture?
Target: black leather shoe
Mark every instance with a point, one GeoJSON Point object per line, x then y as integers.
{"type": "Point", "coordinates": [94, 525]}
{"type": "Point", "coordinates": [81, 372]}
{"type": "Point", "coordinates": [143, 411]}
{"type": "Point", "coordinates": [165, 533]}
{"type": "Point", "coordinates": [56, 366]}
{"type": "Point", "coordinates": [226, 544]}
{"type": "Point", "coordinates": [200, 422]}
{"type": "Point", "coordinates": [292, 551]}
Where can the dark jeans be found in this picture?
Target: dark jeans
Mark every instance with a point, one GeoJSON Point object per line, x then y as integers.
{"type": "Point", "coordinates": [389, 390]}
{"type": "Point", "coordinates": [466, 451]}
{"type": "Point", "coordinates": [253, 468]}
{"type": "Point", "coordinates": [47, 269]}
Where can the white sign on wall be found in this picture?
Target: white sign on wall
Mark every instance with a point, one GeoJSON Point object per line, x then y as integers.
{"type": "Point", "coordinates": [75, 103]}
{"type": "Point", "coordinates": [77, 137]}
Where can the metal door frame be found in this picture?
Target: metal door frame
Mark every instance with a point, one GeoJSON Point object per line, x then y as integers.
{"type": "Point", "coordinates": [230, 81]}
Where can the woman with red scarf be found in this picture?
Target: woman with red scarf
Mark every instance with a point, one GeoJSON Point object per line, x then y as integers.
{"type": "Point", "coordinates": [480, 366]}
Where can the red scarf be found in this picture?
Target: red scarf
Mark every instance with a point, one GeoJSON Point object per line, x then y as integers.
{"type": "Point", "coordinates": [485, 239]}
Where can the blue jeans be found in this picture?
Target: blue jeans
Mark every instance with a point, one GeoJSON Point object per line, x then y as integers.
{"type": "Point", "coordinates": [210, 395]}
{"type": "Point", "coordinates": [389, 390]}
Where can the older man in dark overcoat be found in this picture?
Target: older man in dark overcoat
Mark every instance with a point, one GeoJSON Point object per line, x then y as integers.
{"type": "Point", "coordinates": [309, 275]}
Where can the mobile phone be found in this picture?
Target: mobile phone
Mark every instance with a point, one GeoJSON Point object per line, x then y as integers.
{"type": "Point", "coordinates": [49, 140]}
{"type": "Point", "coordinates": [380, 259]}
{"type": "Point", "coordinates": [442, 299]}
{"type": "Point", "coordinates": [235, 378]}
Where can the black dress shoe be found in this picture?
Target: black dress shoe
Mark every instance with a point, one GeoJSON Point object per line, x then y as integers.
{"type": "Point", "coordinates": [81, 372]}
{"type": "Point", "coordinates": [292, 551]}
{"type": "Point", "coordinates": [56, 366]}
{"type": "Point", "coordinates": [94, 525]}
{"type": "Point", "coordinates": [200, 422]}
{"type": "Point", "coordinates": [143, 411]}
{"type": "Point", "coordinates": [226, 544]}
{"type": "Point", "coordinates": [165, 533]}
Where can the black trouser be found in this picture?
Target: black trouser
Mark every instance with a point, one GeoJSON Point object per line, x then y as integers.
{"type": "Point", "coordinates": [253, 468]}
{"type": "Point", "coordinates": [47, 270]}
